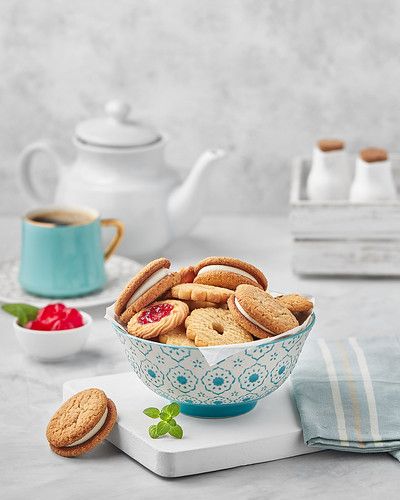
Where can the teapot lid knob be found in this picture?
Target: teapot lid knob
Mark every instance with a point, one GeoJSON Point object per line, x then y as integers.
{"type": "Point", "coordinates": [117, 129]}
{"type": "Point", "coordinates": [118, 110]}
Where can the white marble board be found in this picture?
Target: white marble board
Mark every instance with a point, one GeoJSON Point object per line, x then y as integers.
{"type": "Point", "coordinates": [271, 431]}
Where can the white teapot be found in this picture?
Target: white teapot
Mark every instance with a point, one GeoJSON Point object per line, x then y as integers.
{"type": "Point", "coordinates": [120, 170]}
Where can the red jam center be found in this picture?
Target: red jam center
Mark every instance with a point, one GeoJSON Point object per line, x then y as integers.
{"type": "Point", "coordinates": [155, 313]}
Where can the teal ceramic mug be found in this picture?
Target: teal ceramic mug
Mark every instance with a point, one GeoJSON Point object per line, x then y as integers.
{"type": "Point", "coordinates": [62, 254]}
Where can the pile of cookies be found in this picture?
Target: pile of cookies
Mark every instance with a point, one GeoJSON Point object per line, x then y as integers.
{"type": "Point", "coordinates": [220, 300]}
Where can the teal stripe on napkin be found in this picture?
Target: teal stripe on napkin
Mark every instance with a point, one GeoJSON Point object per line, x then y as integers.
{"type": "Point", "coordinates": [347, 392]}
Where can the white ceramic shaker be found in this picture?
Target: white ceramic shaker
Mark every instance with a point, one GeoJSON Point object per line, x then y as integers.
{"type": "Point", "coordinates": [330, 175]}
{"type": "Point", "coordinates": [373, 178]}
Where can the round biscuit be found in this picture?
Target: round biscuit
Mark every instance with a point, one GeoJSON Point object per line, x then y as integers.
{"type": "Point", "coordinates": [76, 417]}
{"type": "Point", "coordinates": [151, 330]}
{"type": "Point", "coordinates": [264, 309]}
{"type": "Point", "coordinates": [150, 296]}
{"type": "Point", "coordinates": [137, 280]}
{"type": "Point", "coordinates": [177, 336]}
{"type": "Point", "coordinates": [245, 323]}
{"type": "Point", "coordinates": [229, 279]}
{"type": "Point", "coordinates": [295, 303]}
{"type": "Point", "coordinates": [208, 327]}
{"type": "Point", "coordinates": [98, 438]}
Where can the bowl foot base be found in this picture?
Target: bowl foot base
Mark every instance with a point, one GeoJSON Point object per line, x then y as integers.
{"type": "Point", "coordinates": [216, 411]}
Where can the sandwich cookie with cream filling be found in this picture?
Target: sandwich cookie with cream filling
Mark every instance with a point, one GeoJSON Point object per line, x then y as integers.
{"type": "Point", "coordinates": [259, 313]}
{"type": "Point", "coordinates": [81, 423]}
{"type": "Point", "coordinates": [144, 288]}
{"type": "Point", "coordinates": [228, 272]}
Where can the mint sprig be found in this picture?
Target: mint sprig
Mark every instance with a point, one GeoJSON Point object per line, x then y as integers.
{"type": "Point", "coordinates": [152, 412]}
{"type": "Point", "coordinates": [167, 423]}
{"type": "Point", "coordinates": [24, 312]}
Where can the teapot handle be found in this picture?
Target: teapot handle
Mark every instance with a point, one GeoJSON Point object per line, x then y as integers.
{"type": "Point", "coordinates": [25, 169]}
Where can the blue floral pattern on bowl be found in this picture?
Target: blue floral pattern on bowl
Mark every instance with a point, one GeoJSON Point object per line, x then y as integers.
{"type": "Point", "coordinates": [151, 373]}
{"type": "Point", "coordinates": [218, 380]}
{"type": "Point", "coordinates": [182, 379]}
{"type": "Point", "coordinates": [253, 377]}
{"type": "Point", "coordinates": [234, 385]}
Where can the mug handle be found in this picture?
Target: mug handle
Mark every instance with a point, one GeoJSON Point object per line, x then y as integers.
{"type": "Point", "coordinates": [25, 169]}
{"type": "Point", "coordinates": [119, 233]}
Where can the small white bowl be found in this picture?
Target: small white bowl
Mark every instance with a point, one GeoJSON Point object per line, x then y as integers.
{"type": "Point", "coordinates": [53, 345]}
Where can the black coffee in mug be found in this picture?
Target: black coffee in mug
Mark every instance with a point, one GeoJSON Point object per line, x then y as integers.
{"type": "Point", "coordinates": [62, 218]}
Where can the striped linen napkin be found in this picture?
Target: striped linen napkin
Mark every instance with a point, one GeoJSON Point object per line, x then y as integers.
{"type": "Point", "coordinates": [347, 392]}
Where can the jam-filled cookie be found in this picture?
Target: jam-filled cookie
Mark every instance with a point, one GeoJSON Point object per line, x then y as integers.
{"type": "Point", "coordinates": [208, 327]}
{"type": "Point", "coordinates": [160, 317]}
{"type": "Point", "coordinates": [228, 272]}
{"type": "Point", "coordinates": [144, 288]}
{"type": "Point", "coordinates": [259, 313]}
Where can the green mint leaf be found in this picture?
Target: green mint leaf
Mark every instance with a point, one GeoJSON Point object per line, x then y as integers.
{"type": "Point", "coordinates": [153, 432]}
{"type": "Point", "coordinates": [152, 412]}
{"type": "Point", "coordinates": [163, 428]}
{"type": "Point", "coordinates": [167, 424]}
{"type": "Point", "coordinates": [165, 409]}
{"type": "Point", "coordinates": [24, 312]}
{"type": "Point", "coordinates": [173, 409]}
{"type": "Point", "coordinates": [176, 431]}
{"type": "Point", "coordinates": [165, 416]}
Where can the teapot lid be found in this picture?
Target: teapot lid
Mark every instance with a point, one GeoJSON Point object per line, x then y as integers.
{"type": "Point", "coordinates": [116, 130]}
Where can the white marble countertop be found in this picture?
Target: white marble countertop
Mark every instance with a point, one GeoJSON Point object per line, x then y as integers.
{"type": "Point", "coordinates": [30, 391]}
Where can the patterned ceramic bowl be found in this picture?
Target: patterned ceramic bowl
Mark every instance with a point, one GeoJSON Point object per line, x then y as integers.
{"type": "Point", "coordinates": [231, 387]}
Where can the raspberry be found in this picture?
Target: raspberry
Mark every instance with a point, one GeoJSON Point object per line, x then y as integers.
{"type": "Point", "coordinates": [51, 311]}
{"type": "Point", "coordinates": [37, 325]}
{"type": "Point", "coordinates": [59, 325]}
{"type": "Point", "coordinates": [74, 317]}
{"type": "Point", "coordinates": [56, 317]}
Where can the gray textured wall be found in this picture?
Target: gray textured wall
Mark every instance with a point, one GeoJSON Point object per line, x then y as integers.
{"type": "Point", "coordinates": [261, 78]}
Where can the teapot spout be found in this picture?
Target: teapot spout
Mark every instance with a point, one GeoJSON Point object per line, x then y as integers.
{"type": "Point", "coordinates": [185, 204]}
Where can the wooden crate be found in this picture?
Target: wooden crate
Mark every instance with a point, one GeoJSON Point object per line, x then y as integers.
{"type": "Point", "coordinates": [340, 238]}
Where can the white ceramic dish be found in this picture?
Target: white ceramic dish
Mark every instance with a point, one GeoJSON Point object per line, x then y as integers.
{"type": "Point", "coordinates": [53, 345]}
